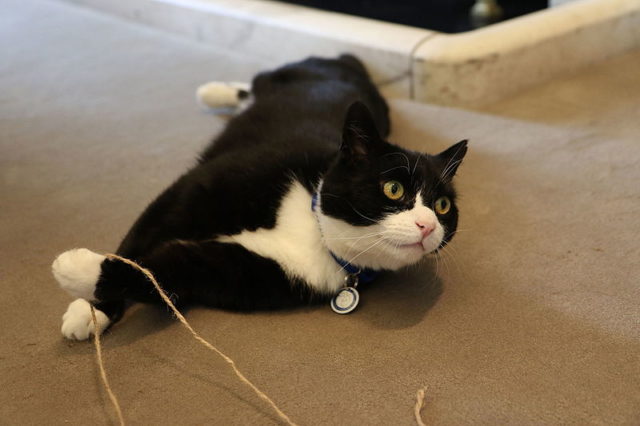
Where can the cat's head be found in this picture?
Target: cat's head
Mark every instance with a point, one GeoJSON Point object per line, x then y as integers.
{"type": "Point", "coordinates": [384, 207]}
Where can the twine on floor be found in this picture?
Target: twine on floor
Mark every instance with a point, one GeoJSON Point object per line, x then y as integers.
{"type": "Point", "coordinates": [184, 322]}
{"type": "Point", "coordinates": [103, 373]}
{"type": "Point", "coordinates": [419, 404]}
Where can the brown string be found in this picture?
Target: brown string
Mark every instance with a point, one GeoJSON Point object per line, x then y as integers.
{"type": "Point", "coordinates": [103, 373]}
{"type": "Point", "coordinates": [419, 404]}
{"type": "Point", "coordinates": [184, 322]}
{"type": "Point", "coordinates": [420, 395]}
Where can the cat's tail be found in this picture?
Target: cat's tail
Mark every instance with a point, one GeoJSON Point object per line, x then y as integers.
{"type": "Point", "coordinates": [218, 95]}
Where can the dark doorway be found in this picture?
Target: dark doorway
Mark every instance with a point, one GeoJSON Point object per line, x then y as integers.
{"type": "Point", "coordinates": [449, 16]}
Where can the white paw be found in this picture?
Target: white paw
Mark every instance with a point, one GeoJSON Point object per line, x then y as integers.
{"type": "Point", "coordinates": [77, 323]}
{"type": "Point", "coordinates": [218, 94]}
{"type": "Point", "coordinates": [77, 271]}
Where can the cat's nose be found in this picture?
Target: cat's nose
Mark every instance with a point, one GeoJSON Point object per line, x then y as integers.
{"type": "Point", "coordinates": [425, 228]}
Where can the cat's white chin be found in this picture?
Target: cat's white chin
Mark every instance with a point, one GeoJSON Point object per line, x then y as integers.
{"type": "Point", "coordinates": [404, 255]}
{"type": "Point", "coordinates": [387, 255]}
{"type": "Point", "coordinates": [414, 246]}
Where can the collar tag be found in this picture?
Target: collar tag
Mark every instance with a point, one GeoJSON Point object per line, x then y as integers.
{"type": "Point", "coordinates": [347, 298]}
{"type": "Point", "coordinates": [345, 301]}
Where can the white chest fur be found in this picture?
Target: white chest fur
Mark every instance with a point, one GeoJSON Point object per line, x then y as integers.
{"type": "Point", "coordinates": [295, 243]}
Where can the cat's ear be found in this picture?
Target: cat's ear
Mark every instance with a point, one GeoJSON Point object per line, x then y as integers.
{"type": "Point", "coordinates": [359, 133]}
{"type": "Point", "coordinates": [450, 160]}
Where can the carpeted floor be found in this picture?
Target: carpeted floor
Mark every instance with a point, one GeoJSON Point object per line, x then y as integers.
{"type": "Point", "coordinates": [533, 317]}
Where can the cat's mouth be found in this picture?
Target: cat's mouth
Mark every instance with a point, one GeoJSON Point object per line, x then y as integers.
{"type": "Point", "coordinates": [425, 246]}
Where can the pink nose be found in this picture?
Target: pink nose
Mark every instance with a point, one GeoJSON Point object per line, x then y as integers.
{"type": "Point", "coordinates": [425, 228]}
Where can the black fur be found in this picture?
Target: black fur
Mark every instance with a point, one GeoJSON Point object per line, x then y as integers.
{"type": "Point", "coordinates": [296, 127]}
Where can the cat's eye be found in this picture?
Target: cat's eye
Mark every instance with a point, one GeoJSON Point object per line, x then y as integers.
{"type": "Point", "coordinates": [443, 205]}
{"type": "Point", "coordinates": [393, 189]}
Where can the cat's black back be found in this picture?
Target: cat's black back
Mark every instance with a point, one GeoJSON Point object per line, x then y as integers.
{"type": "Point", "coordinates": [292, 128]}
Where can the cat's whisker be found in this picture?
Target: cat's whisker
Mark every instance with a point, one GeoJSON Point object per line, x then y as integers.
{"type": "Point", "coordinates": [446, 263]}
{"type": "Point", "coordinates": [459, 269]}
{"type": "Point", "coordinates": [393, 168]}
{"type": "Point", "coordinates": [361, 253]}
{"type": "Point", "coordinates": [361, 215]}
{"type": "Point", "coordinates": [354, 238]}
{"type": "Point", "coordinates": [415, 166]}
{"type": "Point", "coordinates": [450, 166]}
{"type": "Point", "coordinates": [353, 247]}
{"type": "Point", "coordinates": [450, 251]}
{"type": "Point", "coordinates": [463, 230]}
{"type": "Point", "coordinates": [453, 259]}
{"type": "Point", "coordinates": [392, 243]}
{"type": "Point", "coordinates": [408, 167]}
{"type": "Point", "coordinates": [437, 263]}
{"type": "Point", "coordinates": [377, 234]}
{"type": "Point", "coordinates": [350, 205]}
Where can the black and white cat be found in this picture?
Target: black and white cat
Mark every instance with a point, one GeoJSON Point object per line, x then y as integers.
{"type": "Point", "coordinates": [299, 193]}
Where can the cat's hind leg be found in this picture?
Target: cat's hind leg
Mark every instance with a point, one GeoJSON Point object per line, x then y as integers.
{"type": "Point", "coordinates": [211, 273]}
{"type": "Point", "coordinates": [77, 272]}
{"type": "Point", "coordinates": [219, 95]}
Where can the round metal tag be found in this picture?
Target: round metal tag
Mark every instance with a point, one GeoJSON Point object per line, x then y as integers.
{"type": "Point", "coordinates": [345, 301]}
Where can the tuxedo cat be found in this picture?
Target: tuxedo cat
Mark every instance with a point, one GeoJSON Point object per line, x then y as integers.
{"type": "Point", "coordinates": [299, 193]}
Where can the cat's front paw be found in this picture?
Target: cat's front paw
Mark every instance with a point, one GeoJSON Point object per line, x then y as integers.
{"type": "Point", "coordinates": [77, 271]}
{"type": "Point", "coordinates": [77, 323]}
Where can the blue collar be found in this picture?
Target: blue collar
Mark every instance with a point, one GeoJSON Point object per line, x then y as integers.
{"type": "Point", "coordinates": [365, 275]}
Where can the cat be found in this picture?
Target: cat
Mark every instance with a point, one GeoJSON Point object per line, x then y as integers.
{"type": "Point", "coordinates": [297, 197]}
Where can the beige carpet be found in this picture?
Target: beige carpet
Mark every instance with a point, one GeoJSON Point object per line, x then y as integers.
{"type": "Point", "coordinates": [532, 318]}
